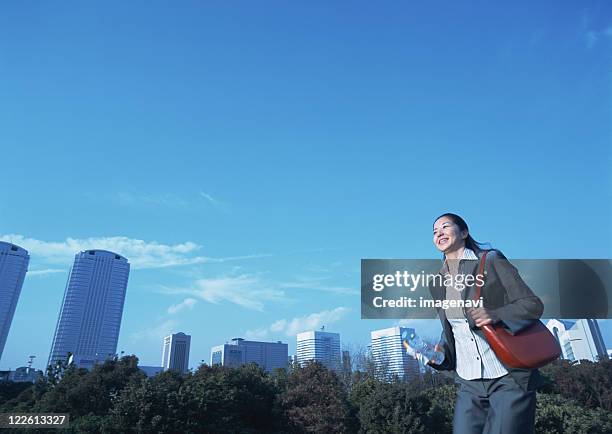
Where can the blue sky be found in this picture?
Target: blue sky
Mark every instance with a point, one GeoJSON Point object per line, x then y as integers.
{"type": "Point", "coordinates": [246, 155]}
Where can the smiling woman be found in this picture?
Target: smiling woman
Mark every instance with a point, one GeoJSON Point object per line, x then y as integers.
{"type": "Point", "coordinates": [492, 398]}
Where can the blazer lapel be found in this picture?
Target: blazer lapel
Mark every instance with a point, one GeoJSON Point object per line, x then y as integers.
{"type": "Point", "coordinates": [439, 292]}
{"type": "Point", "coordinates": [468, 267]}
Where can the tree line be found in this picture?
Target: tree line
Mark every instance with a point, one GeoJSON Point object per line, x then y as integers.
{"type": "Point", "coordinates": [116, 397]}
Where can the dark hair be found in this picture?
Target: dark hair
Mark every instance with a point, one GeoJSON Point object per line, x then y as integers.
{"type": "Point", "coordinates": [470, 242]}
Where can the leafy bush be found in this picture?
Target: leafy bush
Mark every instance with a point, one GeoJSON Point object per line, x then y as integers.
{"type": "Point", "coordinates": [557, 415]}
{"type": "Point", "coordinates": [117, 397]}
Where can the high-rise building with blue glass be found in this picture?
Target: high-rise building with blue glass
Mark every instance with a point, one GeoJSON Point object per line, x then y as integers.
{"type": "Point", "coordinates": [268, 355]}
{"type": "Point", "coordinates": [579, 339]}
{"type": "Point", "coordinates": [319, 346]}
{"type": "Point", "coordinates": [13, 266]}
{"type": "Point", "coordinates": [90, 316]}
{"type": "Point", "coordinates": [389, 355]}
{"type": "Point", "coordinates": [175, 354]}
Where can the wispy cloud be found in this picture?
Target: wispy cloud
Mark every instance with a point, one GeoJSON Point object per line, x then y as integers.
{"type": "Point", "coordinates": [46, 271]}
{"type": "Point", "coordinates": [253, 292]}
{"type": "Point", "coordinates": [138, 199]}
{"type": "Point", "coordinates": [188, 303]}
{"type": "Point", "coordinates": [590, 38]}
{"type": "Point", "coordinates": [216, 203]}
{"type": "Point", "coordinates": [257, 334]}
{"type": "Point", "coordinates": [248, 291]}
{"type": "Point", "coordinates": [165, 200]}
{"type": "Point", "coordinates": [593, 37]}
{"type": "Point", "coordinates": [156, 333]}
{"type": "Point", "coordinates": [140, 253]}
{"type": "Point", "coordinates": [317, 284]}
{"type": "Point", "coordinates": [299, 324]}
{"type": "Point", "coordinates": [318, 278]}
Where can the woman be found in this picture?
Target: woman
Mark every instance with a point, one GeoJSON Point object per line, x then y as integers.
{"type": "Point", "coordinates": [492, 398]}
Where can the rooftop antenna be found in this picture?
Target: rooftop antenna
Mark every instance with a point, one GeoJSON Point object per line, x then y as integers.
{"type": "Point", "coordinates": [322, 328]}
{"type": "Point", "coordinates": [30, 361]}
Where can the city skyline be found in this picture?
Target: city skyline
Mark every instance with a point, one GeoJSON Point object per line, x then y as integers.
{"type": "Point", "coordinates": [245, 159]}
{"type": "Point", "coordinates": [398, 325]}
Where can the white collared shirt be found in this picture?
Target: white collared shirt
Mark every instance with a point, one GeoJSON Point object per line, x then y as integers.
{"type": "Point", "coordinates": [475, 358]}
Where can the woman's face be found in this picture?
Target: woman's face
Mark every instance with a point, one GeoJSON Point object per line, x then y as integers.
{"type": "Point", "coordinates": [447, 236]}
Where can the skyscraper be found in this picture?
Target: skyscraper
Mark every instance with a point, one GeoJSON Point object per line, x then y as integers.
{"type": "Point", "coordinates": [176, 352]}
{"type": "Point", "coordinates": [320, 346]}
{"type": "Point", "coordinates": [389, 355]}
{"type": "Point", "coordinates": [268, 355]}
{"type": "Point", "coordinates": [579, 340]}
{"type": "Point", "coordinates": [13, 266]}
{"type": "Point", "coordinates": [90, 316]}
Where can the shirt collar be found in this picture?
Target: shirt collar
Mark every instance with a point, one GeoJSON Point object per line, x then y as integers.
{"type": "Point", "coordinates": [468, 254]}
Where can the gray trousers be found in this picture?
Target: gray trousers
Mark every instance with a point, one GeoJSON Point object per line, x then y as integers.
{"type": "Point", "coordinates": [493, 406]}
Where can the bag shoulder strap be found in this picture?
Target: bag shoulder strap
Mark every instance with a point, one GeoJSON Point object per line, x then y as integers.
{"type": "Point", "coordinates": [481, 267]}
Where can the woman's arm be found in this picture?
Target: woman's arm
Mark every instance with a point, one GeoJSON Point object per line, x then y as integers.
{"type": "Point", "coordinates": [437, 294]}
{"type": "Point", "coordinates": [523, 306]}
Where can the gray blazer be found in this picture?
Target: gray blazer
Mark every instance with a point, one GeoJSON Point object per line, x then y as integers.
{"type": "Point", "coordinates": [507, 295]}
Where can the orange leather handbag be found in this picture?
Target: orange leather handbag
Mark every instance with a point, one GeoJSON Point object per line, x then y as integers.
{"type": "Point", "coordinates": [532, 347]}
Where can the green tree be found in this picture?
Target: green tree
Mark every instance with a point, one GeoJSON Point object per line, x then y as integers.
{"type": "Point", "coordinates": [400, 407]}
{"type": "Point", "coordinates": [214, 399]}
{"type": "Point", "coordinates": [10, 390]}
{"type": "Point", "coordinates": [438, 417]}
{"type": "Point", "coordinates": [150, 405]}
{"type": "Point", "coordinates": [29, 395]}
{"type": "Point", "coordinates": [315, 401]}
{"type": "Point", "coordinates": [231, 399]}
{"type": "Point", "coordinates": [558, 415]}
{"type": "Point", "coordinates": [587, 382]}
{"type": "Point", "coordinates": [81, 392]}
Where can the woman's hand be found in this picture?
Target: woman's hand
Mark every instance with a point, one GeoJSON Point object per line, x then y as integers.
{"type": "Point", "coordinates": [437, 348]}
{"type": "Point", "coordinates": [482, 316]}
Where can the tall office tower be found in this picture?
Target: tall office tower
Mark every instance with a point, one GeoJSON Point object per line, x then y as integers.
{"type": "Point", "coordinates": [176, 352]}
{"type": "Point", "coordinates": [320, 346]}
{"type": "Point", "coordinates": [579, 339]}
{"type": "Point", "coordinates": [13, 266]}
{"type": "Point", "coordinates": [268, 355]}
{"type": "Point", "coordinates": [389, 355]}
{"type": "Point", "coordinates": [90, 316]}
